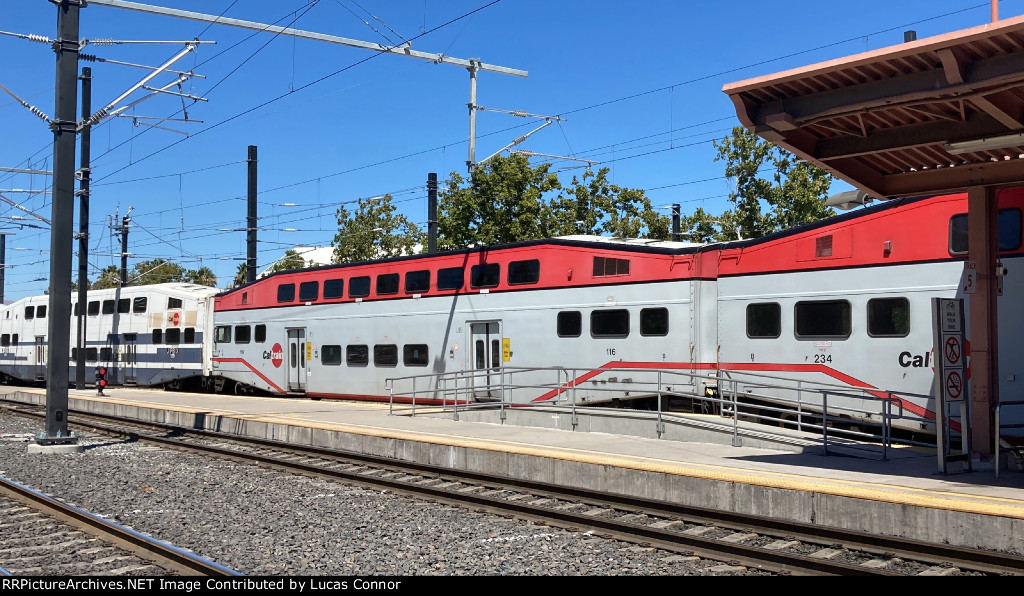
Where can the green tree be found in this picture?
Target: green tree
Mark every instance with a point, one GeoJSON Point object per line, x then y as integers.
{"type": "Point", "coordinates": [794, 192]}
{"type": "Point", "coordinates": [156, 271]}
{"type": "Point", "coordinates": [373, 231]}
{"type": "Point", "coordinates": [241, 275]}
{"type": "Point", "coordinates": [203, 276]}
{"type": "Point", "coordinates": [290, 260]}
{"type": "Point", "coordinates": [108, 278]}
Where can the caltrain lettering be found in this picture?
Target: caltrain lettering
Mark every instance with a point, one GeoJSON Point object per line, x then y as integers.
{"type": "Point", "coordinates": [908, 360]}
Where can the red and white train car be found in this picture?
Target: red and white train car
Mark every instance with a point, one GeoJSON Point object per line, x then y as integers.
{"type": "Point", "coordinates": [845, 302]}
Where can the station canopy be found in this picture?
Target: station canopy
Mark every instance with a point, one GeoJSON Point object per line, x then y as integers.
{"type": "Point", "coordinates": [929, 116]}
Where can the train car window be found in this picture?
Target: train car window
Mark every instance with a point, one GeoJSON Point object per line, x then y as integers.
{"type": "Point", "coordinates": [330, 355]}
{"type": "Point", "coordinates": [108, 307]}
{"type": "Point", "coordinates": [106, 354]}
{"type": "Point", "coordinates": [90, 354]}
{"type": "Point", "coordinates": [30, 313]}
{"type": "Point", "coordinates": [41, 311]}
{"type": "Point", "coordinates": [243, 334]}
{"type": "Point", "coordinates": [5, 340]}
{"type": "Point", "coordinates": [823, 319]}
{"type": "Point", "coordinates": [888, 317]}
{"type": "Point", "coordinates": [485, 276]}
{"type": "Point", "coordinates": [417, 281]}
{"type": "Point", "coordinates": [451, 278]}
{"type": "Point", "coordinates": [245, 297]}
{"type": "Point", "coordinates": [124, 305]}
{"type": "Point", "coordinates": [173, 336]}
{"type": "Point", "coordinates": [309, 291]}
{"type": "Point", "coordinates": [387, 283]}
{"type": "Point", "coordinates": [764, 320]}
{"type": "Point", "coordinates": [1009, 231]}
{"type": "Point", "coordinates": [139, 304]}
{"type": "Point", "coordinates": [385, 355]}
{"type": "Point", "coordinates": [261, 333]}
{"type": "Point", "coordinates": [173, 302]}
{"type": "Point", "coordinates": [158, 336]}
{"type": "Point", "coordinates": [570, 323]}
{"type": "Point", "coordinates": [358, 287]}
{"type": "Point", "coordinates": [76, 309]}
{"type": "Point", "coordinates": [334, 288]}
{"type": "Point", "coordinates": [190, 335]}
{"type": "Point", "coordinates": [14, 339]}
{"type": "Point", "coordinates": [524, 272]}
{"type": "Point", "coordinates": [609, 323]}
{"type": "Point", "coordinates": [286, 292]}
{"type": "Point", "coordinates": [94, 308]}
{"type": "Point", "coordinates": [654, 321]}
{"type": "Point", "coordinates": [605, 266]}
{"type": "Point", "coordinates": [415, 355]}
{"type": "Point", "coordinates": [357, 355]}
{"type": "Point", "coordinates": [222, 334]}
{"type": "Point", "coordinates": [131, 336]}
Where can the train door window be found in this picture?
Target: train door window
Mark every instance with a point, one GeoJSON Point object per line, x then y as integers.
{"type": "Point", "coordinates": [1009, 231]}
{"type": "Point", "coordinates": [14, 339]}
{"type": "Point", "coordinates": [764, 320]}
{"type": "Point", "coordinates": [359, 287]}
{"type": "Point", "coordinates": [190, 335]}
{"type": "Point", "coordinates": [293, 354]}
{"type": "Point", "coordinates": [76, 309]}
{"type": "Point", "coordinates": [823, 319]}
{"type": "Point", "coordinates": [261, 333]}
{"type": "Point", "coordinates": [524, 272]}
{"type": "Point", "coordinates": [654, 321]}
{"type": "Point", "coordinates": [243, 334]}
{"type": "Point", "coordinates": [417, 281]}
{"type": "Point", "coordinates": [334, 288]}
{"type": "Point", "coordinates": [74, 353]}
{"type": "Point", "coordinates": [606, 266]}
{"type": "Point", "coordinates": [485, 276]}
{"type": "Point", "coordinates": [158, 336]}
{"type": "Point", "coordinates": [286, 292]}
{"type": "Point", "coordinates": [330, 355]}
{"type": "Point", "coordinates": [387, 283]}
{"type": "Point", "coordinates": [173, 303]}
{"type": "Point", "coordinates": [124, 305]}
{"type": "Point", "coordinates": [106, 354]}
{"type": "Point", "coordinates": [415, 355]}
{"type": "Point", "coordinates": [609, 323]}
{"type": "Point", "coordinates": [309, 291]}
{"type": "Point", "coordinates": [90, 354]}
{"type": "Point", "coordinates": [451, 278]}
{"type": "Point", "coordinates": [357, 355]}
{"type": "Point", "coordinates": [5, 340]}
{"type": "Point", "coordinates": [888, 317]}
{"type": "Point", "coordinates": [385, 355]}
{"type": "Point", "coordinates": [139, 304]}
{"type": "Point", "coordinates": [222, 334]}
{"type": "Point", "coordinates": [570, 323]}
{"type": "Point", "coordinates": [30, 313]}
{"type": "Point", "coordinates": [108, 307]}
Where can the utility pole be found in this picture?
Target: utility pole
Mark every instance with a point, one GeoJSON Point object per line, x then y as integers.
{"type": "Point", "coordinates": [65, 128]}
{"type": "Point", "coordinates": [431, 212]}
{"type": "Point", "coordinates": [124, 246]}
{"type": "Point", "coordinates": [3, 263]}
{"type": "Point", "coordinates": [676, 233]}
{"type": "Point", "coordinates": [250, 233]}
{"type": "Point", "coordinates": [83, 229]}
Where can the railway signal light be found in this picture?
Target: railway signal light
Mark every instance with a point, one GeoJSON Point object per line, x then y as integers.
{"type": "Point", "coordinates": [101, 379]}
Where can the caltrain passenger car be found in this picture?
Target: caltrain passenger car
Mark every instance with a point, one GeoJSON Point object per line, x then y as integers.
{"type": "Point", "coordinates": [845, 302]}
{"type": "Point", "coordinates": [144, 335]}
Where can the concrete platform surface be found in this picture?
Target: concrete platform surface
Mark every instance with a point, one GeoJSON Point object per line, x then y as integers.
{"type": "Point", "coordinates": [905, 495]}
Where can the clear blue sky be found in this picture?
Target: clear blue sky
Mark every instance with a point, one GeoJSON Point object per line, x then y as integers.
{"type": "Point", "coordinates": [639, 85]}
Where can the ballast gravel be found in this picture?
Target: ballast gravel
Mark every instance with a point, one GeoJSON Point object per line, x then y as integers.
{"type": "Point", "coordinates": [264, 522]}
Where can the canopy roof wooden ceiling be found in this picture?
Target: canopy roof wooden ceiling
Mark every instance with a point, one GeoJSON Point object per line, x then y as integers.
{"type": "Point", "coordinates": [924, 117]}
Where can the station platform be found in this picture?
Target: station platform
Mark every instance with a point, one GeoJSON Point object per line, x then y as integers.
{"type": "Point", "coordinates": [904, 495]}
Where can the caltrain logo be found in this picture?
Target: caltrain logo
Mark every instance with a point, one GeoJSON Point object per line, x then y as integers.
{"type": "Point", "coordinates": [275, 355]}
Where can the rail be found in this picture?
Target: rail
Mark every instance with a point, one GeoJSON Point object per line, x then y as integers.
{"type": "Point", "coordinates": [1000, 427]}
{"type": "Point", "coordinates": [829, 414]}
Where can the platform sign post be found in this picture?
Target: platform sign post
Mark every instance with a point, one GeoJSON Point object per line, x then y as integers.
{"type": "Point", "coordinates": [952, 407]}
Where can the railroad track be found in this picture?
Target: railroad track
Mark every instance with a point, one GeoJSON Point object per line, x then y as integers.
{"type": "Point", "coordinates": [41, 536]}
{"type": "Point", "coordinates": [749, 541]}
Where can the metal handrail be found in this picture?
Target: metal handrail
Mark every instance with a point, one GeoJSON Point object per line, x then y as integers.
{"type": "Point", "coordinates": [999, 427]}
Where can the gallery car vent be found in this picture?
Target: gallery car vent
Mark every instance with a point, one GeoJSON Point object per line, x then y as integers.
{"type": "Point", "coordinates": [823, 246]}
